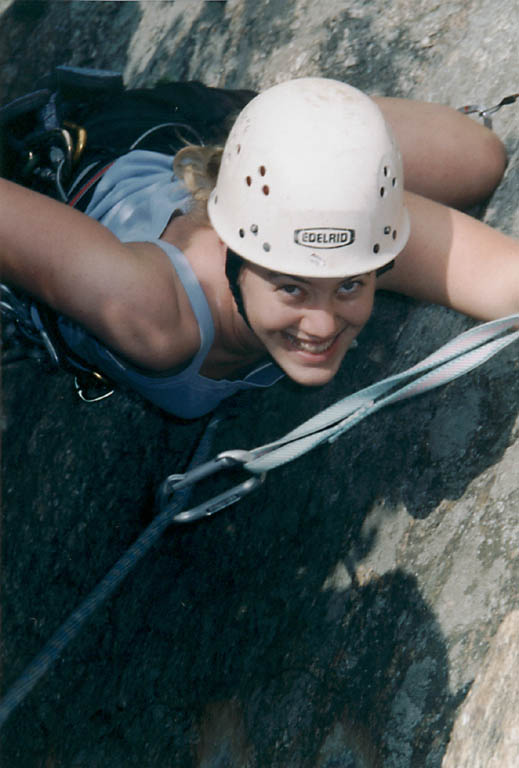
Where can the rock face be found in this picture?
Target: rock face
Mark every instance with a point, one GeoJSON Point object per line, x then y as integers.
{"type": "Point", "coordinates": [339, 615]}
{"type": "Point", "coordinates": [486, 732]}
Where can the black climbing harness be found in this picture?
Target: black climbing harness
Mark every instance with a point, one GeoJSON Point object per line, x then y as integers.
{"type": "Point", "coordinates": [38, 324]}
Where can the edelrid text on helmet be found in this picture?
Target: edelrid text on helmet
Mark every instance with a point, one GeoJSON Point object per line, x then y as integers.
{"type": "Point", "coordinates": [311, 182]}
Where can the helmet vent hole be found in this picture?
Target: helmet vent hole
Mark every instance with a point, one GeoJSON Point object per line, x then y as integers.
{"type": "Point", "coordinates": [238, 149]}
{"type": "Point", "coordinates": [248, 181]}
{"type": "Point", "coordinates": [393, 182]}
{"type": "Point", "coordinates": [262, 170]}
{"type": "Point", "coordinates": [394, 234]}
{"type": "Point", "coordinates": [387, 230]}
{"type": "Point", "coordinates": [386, 171]}
{"type": "Point", "coordinates": [266, 189]}
{"type": "Point", "coordinates": [254, 229]}
{"type": "Point", "coordinates": [242, 233]}
{"type": "Point", "coordinates": [266, 247]}
{"type": "Point", "coordinates": [376, 248]}
{"type": "Point", "coordinates": [382, 191]}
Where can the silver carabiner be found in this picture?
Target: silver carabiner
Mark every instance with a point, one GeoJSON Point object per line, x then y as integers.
{"type": "Point", "coordinates": [486, 112]}
{"type": "Point", "coordinates": [95, 398]}
{"type": "Point", "coordinates": [225, 460]}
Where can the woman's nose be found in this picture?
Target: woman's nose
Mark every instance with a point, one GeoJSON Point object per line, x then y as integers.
{"type": "Point", "coordinates": [320, 323]}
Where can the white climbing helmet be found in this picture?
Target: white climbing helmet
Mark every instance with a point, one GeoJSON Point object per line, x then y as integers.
{"type": "Point", "coordinates": [311, 182]}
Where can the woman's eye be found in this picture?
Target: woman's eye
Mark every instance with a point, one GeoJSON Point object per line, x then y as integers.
{"type": "Point", "coordinates": [349, 286]}
{"type": "Point", "coordinates": [291, 290]}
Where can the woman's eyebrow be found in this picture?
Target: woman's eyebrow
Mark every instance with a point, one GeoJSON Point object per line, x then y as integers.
{"type": "Point", "coordinates": [284, 276]}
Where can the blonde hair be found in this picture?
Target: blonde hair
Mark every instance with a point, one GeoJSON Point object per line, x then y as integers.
{"type": "Point", "coordinates": [197, 167]}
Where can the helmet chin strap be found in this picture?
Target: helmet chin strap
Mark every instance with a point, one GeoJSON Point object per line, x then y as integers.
{"type": "Point", "coordinates": [233, 265]}
{"type": "Point", "coordinates": [385, 268]}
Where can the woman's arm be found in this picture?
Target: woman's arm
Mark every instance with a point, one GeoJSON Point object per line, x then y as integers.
{"type": "Point", "coordinates": [125, 294]}
{"type": "Point", "coordinates": [447, 156]}
{"type": "Point", "coordinates": [456, 260]}
{"type": "Point", "coordinates": [451, 258]}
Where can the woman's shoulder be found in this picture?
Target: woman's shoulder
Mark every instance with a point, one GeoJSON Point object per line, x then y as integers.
{"type": "Point", "coordinates": [205, 253]}
{"type": "Point", "coordinates": [184, 299]}
{"type": "Point", "coordinates": [153, 324]}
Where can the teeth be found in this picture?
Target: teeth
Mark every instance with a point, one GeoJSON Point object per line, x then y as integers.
{"type": "Point", "coordinates": [308, 346]}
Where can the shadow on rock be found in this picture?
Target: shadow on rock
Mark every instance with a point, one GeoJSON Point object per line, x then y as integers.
{"type": "Point", "coordinates": [231, 49]}
{"type": "Point", "coordinates": [263, 616]}
{"type": "Point", "coordinates": [430, 448]}
{"type": "Point", "coordinates": [37, 36]}
{"type": "Point", "coordinates": [240, 642]}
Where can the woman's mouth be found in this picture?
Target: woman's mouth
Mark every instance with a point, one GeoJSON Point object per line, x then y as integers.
{"type": "Point", "coordinates": [314, 348]}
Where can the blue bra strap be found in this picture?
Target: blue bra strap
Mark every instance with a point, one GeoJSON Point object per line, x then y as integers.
{"type": "Point", "coordinates": [196, 298]}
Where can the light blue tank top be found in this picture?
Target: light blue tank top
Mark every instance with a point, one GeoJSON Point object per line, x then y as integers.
{"type": "Point", "coordinates": [135, 200]}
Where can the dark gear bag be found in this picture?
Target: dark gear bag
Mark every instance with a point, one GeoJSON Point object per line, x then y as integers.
{"type": "Point", "coordinates": [58, 138]}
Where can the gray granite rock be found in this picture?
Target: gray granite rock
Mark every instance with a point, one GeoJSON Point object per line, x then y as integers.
{"type": "Point", "coordinates": [486, 732]}
{"type": "Point", "coordinates": [339, 616]}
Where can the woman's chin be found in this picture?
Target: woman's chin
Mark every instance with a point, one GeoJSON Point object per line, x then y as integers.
{"type": "Point", "coordinates": [308, 375]}
{"type": "Point", "coordinates": [313, 380]}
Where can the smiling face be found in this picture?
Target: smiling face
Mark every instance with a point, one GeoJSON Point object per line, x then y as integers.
{"type": "Point", "coordinates": [306, 324]}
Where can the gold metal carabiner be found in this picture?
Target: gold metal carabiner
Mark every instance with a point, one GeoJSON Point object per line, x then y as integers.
{"type": "Point", "coordinates": [80, 136]}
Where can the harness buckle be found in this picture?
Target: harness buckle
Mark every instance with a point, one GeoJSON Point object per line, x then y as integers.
{"type": "Point", "coordinates": [225, 460]}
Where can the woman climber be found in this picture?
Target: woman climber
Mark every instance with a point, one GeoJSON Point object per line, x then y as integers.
{"type": "Point", "coordinates": [263, 259]}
